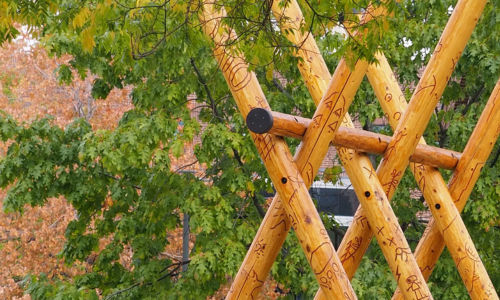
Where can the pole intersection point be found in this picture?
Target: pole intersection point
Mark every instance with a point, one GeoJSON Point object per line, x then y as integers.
{"type": "Point", "coordinates": [292, 176]}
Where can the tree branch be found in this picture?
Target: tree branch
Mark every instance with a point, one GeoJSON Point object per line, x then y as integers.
{"type": "Point", "coordinates": [173, 272]}
{"type": "Point", "coordinates": [257, 205]}
{"type": "Point", "coordinates": [207, 90]}
{"type": "Point", "coordinates": [473, 99]}
{"type": "Point", "coordinates": [255, 200]}
{"type": "Point", "coordinates": [495, 159]}
{"type": "Point", "coordinates": [237, 156]}
{"type": "Point", "coordinates": [112, 177]}
{"type": "Point", "coordinates": [277, 84]}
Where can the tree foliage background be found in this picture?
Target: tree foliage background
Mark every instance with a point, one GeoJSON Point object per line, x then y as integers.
{"type": "Point", "coordinates": [125, 182]}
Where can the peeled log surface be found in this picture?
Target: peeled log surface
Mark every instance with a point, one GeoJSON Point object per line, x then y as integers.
{"type": "Point", "coordinates": [369, 190]}
{"type": "Point", "coordinates": [466, 172]}
{"type": "Point", "coordinates": [366, 185]}
{"type": "Point", "coordinates": [251, 277]}
{"type": "Point", "coordinates": [408, 134]}
{"type": "Point", "coordinates": [443, 60]}
{"type": "Point", "coordinates": [462, 182]}
{"type": "Point", "coordinates": [317, 77]}
{"type": "Point", "coordinates": [293, 196]}
{"type": "Point", "coordinates": [361, 140]}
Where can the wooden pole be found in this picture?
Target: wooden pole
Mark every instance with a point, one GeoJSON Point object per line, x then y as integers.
{"type": "Point", "coordinates": [408, 134]}
{"type": "Point", "coordinates": [314, 68]}
{"type": "Point", "coordinates": [394, 104]}
{"type": "Point", "coordinates": [369, 190]}
{"type": "Point", "coordinates": [462, 183]}
{"type": "Point", "coordinates": [381, 221]}
{"type": "Point", "coordinates": [297, 203]}
{"type": "Point", "coordinates": [360, 140]}
{"type": "Point", "coordinates": [327, 119]}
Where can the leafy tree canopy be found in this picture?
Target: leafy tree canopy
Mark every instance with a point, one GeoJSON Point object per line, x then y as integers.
{"type": "Point", "coordinates": [158, 47]}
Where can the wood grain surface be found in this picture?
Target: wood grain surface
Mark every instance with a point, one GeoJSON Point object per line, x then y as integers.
{"type": "Point", "coordinates": [364, 141]}
{"type": "Point", "coordinates": [293, 193]}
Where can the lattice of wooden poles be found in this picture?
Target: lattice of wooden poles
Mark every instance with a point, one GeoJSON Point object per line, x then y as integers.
{"type": "Point", "coordinates": [292, 207]}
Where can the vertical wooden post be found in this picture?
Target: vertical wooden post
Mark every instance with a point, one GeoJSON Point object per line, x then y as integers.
{"type": "Point", "coordinates": [297, 203]}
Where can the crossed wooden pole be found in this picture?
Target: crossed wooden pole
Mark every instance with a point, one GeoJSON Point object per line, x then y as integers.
{"type": "Point", "coordinates": [292, 176]}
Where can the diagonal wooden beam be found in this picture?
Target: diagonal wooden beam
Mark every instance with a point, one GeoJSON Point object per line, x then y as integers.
{"type": "Point", "coordinates": [356, 139]}
{"type": "Point", "coordinates": [369, 190]}
{"type": "Point", "coordinates": [468, 170]}
{"type": "Point", "coordinates": [350, 249]}
{"type": "Point", "coordinates": [466, 173]}
{"type": "Point", "coordinates": [407, 135]}
{"type": "Point", "coordinates": [290, 186]}
{"type": "Point", "coordinates": [260, 263]}
{"type": "Point", "coordinates": [478, 148]}
{"type": "Point", "coordinates": [394, 104]}
{"type": "Point", "coordinates": [328, 118]}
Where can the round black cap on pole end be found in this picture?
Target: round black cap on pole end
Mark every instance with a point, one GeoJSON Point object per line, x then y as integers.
{"type": "Point", "coordinates": [259, 120]}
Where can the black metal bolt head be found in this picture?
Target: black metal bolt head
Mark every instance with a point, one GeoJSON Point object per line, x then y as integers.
{"type": "Point", "coordinates": [259, 120]}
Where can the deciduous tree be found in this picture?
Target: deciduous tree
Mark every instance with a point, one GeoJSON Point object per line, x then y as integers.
{"type": "Point", "coordinates": [159, 48]}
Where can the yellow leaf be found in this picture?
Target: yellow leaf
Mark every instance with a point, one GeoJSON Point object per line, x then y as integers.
{"type": "Point", "coordinates": [81, 17]}
{"type": "Point", "coordinates": [269, 73]}
{"type": "Point", "coordinates": [141, 3]}
{"type": "Point", "coordinates": [138, 3]}
{"type": "Point", "coordinates": [179, 7]}
{"type": "Point", "coordinates": [53, 7]}
{"type": "Point", "coordinates": [385, 25]}
{"type": "Point", "coordinates": [251, 187]}
{"type": "Point", "coordinates": [88, 42]}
